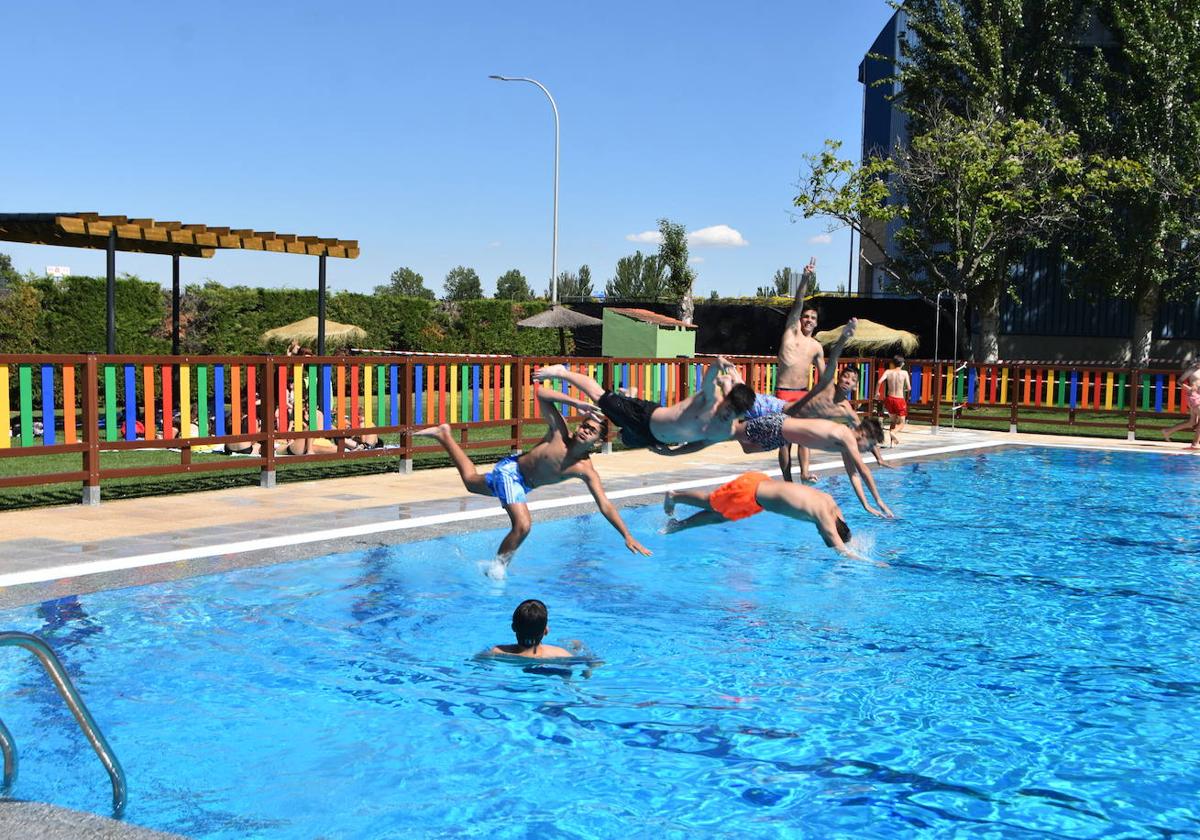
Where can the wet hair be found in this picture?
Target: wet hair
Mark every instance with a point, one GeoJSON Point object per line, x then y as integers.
{"type": "Point", "coordinates": [529, 622]}
{"type": "Point", "coordinates": [849, 369]}
{"type": "Point", "coordinates": [898, 361]}
{"type": "Point", "coordinates": [808, 309]}
{"type": "Point", "coordinates": [873, 429]}
{"type": "Point", "coordinates": [740, 398]}
{"type": "Point", "coordinates": [843, 529]}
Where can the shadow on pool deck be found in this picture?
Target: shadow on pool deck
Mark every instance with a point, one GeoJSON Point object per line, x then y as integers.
{"type": "Point", "coordinates": [206, 524]}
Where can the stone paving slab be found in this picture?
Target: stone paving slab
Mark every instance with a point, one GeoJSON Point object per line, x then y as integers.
{"type": "Point", "coordinates": [38, 821]}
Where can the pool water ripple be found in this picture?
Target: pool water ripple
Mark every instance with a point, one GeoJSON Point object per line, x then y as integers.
{"type": "Point", "coordinates": [1026, 666]}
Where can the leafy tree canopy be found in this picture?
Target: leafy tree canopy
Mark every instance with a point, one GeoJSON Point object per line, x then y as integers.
{"type": "Point", "coordinates": [406, 283]}
{"type": "Point", "coordinates": [463, 283]}
{"type": "Point", "coordinates": [512, 285]}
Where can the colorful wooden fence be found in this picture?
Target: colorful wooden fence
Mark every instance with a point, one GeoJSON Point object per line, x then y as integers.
{"type": "Point", "coordinates": [90, 403]}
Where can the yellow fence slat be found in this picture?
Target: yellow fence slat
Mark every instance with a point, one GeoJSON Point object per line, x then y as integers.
{"type": "Point", "coordinates": [5, 411]}
{"type": "Point", "coordinates": [368, 391]}
{"type": "Point", "coordinates": [185, 401]}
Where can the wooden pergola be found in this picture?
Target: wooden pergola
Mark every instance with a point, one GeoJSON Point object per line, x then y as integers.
{"type": "Point", "coordinates": [173, 239]}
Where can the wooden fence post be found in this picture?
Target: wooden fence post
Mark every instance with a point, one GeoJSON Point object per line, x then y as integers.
{"type": "Point", "coordinates": [407, 406]}
{"type": "Point", "coordinates": [1135, 381]}
{"type": "Point", "coordinates": [91, 431]}
{"type": "Point", "coordinates": [266, 477]}
{"type": "Point", "coordinates": [518, 397]}
{"type": "Point", "coordinates": [1014, 392]}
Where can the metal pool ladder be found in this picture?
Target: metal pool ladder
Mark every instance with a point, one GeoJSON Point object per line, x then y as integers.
{"type": "Point", "coordinates": [70, 696]}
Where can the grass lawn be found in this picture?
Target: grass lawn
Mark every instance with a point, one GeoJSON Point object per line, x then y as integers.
{"type": "Point", "coordinates": [41, 495]}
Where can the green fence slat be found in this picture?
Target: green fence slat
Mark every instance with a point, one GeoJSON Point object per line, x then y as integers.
{"type": "Point", "coordinates": [381, 403]}
{"type": "Point", "coordinates": [1145, 393]}
{"type": "Point", "coordinates": [1121, 391]}
{"type": "Point", "coordinates": [202, 400]}
{"type": "Point", "coordinates": [466, 392]}
{"type": "Point", "coordinates": [110, 403]}
{"type": "Point", "coordinates": [25, 385]}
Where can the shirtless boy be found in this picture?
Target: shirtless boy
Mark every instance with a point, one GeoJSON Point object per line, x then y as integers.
{"type": "Point", "coordinates": [1189, 382]}
{"type": "Point", "coordinates": [707, 415]}
{"type": "Point", "coordinates": [754, 492]}
{"type": "Point", "coordinates": [799, 352]}
{"type": "Point", "coordinates": [558, 456]}
{"type": "Point", "coordinates": [894, 388]}
{"type": "Point", "coordinates": [530, 624]}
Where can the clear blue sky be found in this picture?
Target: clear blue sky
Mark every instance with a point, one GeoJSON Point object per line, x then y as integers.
{"type": "Point", "coordinates": [377, 122]}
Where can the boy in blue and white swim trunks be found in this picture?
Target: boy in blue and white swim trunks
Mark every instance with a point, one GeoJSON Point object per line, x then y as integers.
{"type": "Point", "coordinates": [560, 455]}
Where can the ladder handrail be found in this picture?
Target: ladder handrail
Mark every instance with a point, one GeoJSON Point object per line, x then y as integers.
{"type": "Point", "coordinates": [62, 681]}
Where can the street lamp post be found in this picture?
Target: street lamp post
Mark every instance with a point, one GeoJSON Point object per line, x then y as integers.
{"type": "Point", "coordinates": [554, 251]}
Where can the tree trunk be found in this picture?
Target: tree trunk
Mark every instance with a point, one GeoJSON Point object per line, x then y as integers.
{"type": "Point", "coordinates": [1141, 340]}
{"type": "Point", "coordinates": [988, 350]}
{"type": "Point", "coordinates": [687, 307]}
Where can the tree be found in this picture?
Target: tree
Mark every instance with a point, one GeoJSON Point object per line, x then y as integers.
{"type": "Point", "coordinates": [462, 283]}
{"type": "Point", "coordinates": [781, 284]}
{"type": "Point", "coordinates": [1122, 75]}
{"type": "Point", "coordinates": [638, 277]}
{"type": "Point", "coordinates": [8, 274]}
{"type": "Point", "coordinates": [974, 195]}
{"type": "Point", "coordinates": [572, 285]}
{"type": "Point", "coordinates": [512, 285]}
{"type": "Point", "coordinates": [20, 313]}
{"type": "Point", "coordinates": [673, 254]}
{"type": "Point", "coordinates": [406, 283]}
{"type": "Point", "coordinates": [1130, 92]}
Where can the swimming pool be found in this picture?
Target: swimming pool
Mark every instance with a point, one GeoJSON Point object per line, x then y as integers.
{"type": "Point", "coordinates": [1027, 664]}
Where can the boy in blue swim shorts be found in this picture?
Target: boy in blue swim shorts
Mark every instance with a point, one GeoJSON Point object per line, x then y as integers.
{"type": "Point", "coordinates": [558, 456]}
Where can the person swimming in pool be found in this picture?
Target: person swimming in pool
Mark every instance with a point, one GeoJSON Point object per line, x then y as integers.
{"type": "Point", "coordinates": [752, 493]}
{"type": "Point", "coordinates": [707, 415]}
{"type": "Point", "coordinates": [530, 623]}
{"type": "Point", "coordinates": [559, 455]}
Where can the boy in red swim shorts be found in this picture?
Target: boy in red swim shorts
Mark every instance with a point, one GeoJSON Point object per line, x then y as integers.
{"type": "Point", "coordinates": [894, 388]}
{"type": "Point", "coordinates": [752, 493]}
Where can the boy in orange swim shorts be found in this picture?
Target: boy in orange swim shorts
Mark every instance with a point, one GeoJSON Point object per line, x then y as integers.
{"type": "Point", "coordinates": [754, 492]}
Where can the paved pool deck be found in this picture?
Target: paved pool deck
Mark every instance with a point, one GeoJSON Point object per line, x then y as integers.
{"type": "Point", "coordinates": [52, 552]}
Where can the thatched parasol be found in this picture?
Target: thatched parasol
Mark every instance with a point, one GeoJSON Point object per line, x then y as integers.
{"type": "Point", "coordinates": [305, 332]}
{"type": "Point", "coordinates": [873, 338]}
{"type": "Point", "coordinates": [562, 318]}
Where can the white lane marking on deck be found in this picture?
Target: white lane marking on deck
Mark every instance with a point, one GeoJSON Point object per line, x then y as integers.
{"type": "Point", "coordinates": [117, 564]}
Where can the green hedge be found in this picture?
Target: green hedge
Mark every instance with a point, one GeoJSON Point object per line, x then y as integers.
{"type": "Point", "coordinates": [48, 315]}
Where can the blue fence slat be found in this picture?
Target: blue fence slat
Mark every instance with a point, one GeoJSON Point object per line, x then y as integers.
{"type": "Point", "coordinates": [662, 384]}
{"type": "Point", "coordinates": [419, 387]}
{"type": "Point", "coordinates": [971, 376]}
{"type": "Point", "coordinates": [48, 423]}
{"type": "Point", "coordinates": [475, 370]}
{"type": "Point", "coordinates": [130, 404]}
{"type": "Point", "coordinates": [915, 380]}
{"type": "Point", "coordinates": [394, 370]}
{"type": "Point", "coordinates": [219, 398]}
{"type": "Point", "coordinates": [1074, 387]}
{"type": "Point", "coordinates": [1158, 394]}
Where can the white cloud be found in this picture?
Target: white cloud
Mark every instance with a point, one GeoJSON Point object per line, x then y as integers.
{"type": "Point", "coordinates": [495, 244]}
{"type": "Point", "coordinates": [820, 239]}
{"type": "Point", "coordinates": [651, 237]}
{"type": "Point", "coordinates": [717, 236]}
{"type": "Point", "coordinates": [695, 260]}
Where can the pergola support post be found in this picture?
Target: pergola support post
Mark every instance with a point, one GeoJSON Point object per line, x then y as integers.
{"type": "Point", "coordinates": [174, 304]}
{"type": "Point", "coordinates": [111, 289]}
{"type": "Point", "coordinates": [321, 305]}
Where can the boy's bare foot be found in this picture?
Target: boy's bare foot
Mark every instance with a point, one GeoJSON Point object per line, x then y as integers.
{"type": "Point", "coordinates": [549, 372]}
{"type": "Point", "coordinates": [1167, 435]}
{"type": "Point", "coordinates": [438, 432]}
{"type": "Point", "coordinates": [848, 330]}
{"type": "Point", "coordinates": [809, 479]}
{"type": "Point", "coordinates": [669, 503]}
{"type": "Point", "coordinates": [672, 526]}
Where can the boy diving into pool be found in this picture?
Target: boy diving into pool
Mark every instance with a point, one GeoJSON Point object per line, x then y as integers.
{"type": "Point", "coordinates": [707, 415]}
{"type": "Point", "coordinates": [558, 456]}
{"type": "Point", "coordinates": [752, 493]}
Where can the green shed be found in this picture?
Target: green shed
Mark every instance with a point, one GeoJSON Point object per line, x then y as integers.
{"type": "Point", "coordinates": [642, 333]}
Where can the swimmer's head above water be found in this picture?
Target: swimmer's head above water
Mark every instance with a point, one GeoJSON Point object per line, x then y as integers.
{"type": "Point", "coordinates": [529, 623]}
{"type": "Point", "coordinates": [843, 531]}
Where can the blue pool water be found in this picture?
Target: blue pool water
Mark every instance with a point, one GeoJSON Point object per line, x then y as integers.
{"type": "Point", "coordinates": [1026, 666]}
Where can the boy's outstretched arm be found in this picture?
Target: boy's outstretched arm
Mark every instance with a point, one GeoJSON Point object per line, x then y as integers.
{"type": "Point", "coordinates": [592, 480]}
